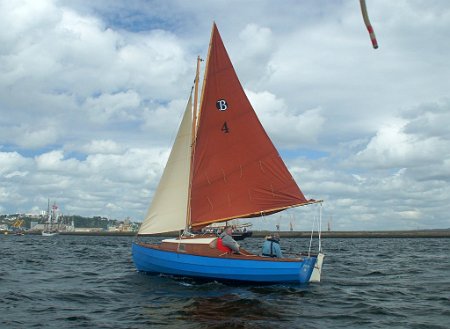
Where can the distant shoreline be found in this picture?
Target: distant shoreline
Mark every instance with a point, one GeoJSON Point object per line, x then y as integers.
{"type": "Point", "coordinates": [444, 233]}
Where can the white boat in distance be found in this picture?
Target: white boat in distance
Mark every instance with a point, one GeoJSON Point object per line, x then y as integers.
{"type": "Point", "coordinates": [52, 224]}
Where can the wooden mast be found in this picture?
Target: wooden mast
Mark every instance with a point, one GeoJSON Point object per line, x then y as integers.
{"type": "Point", "coordinates": [194, 110]}
{"type": "Point", "coordinates": [194, 128]}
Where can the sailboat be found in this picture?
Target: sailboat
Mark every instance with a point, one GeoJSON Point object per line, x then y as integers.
{"type": "Point", "coordinates": [51, 226]}
{"type": "Point", "coordinates": [222, 166]}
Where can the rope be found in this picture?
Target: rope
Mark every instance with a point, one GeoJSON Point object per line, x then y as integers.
{"type": "Point", "coordinates": [310, 240]}
{"type": "Point", "coordinates": [320, 228]}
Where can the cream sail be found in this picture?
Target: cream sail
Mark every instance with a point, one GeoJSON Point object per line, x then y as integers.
{"type": "Point", "coordinates": [167, 211]}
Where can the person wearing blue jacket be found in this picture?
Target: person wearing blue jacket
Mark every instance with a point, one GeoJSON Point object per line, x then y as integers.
{"type": "Point", "coordinates": [271, 247]}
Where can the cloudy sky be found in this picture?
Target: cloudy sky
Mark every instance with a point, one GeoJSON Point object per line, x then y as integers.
{"type": "Point", "coordinates": [92, 92]}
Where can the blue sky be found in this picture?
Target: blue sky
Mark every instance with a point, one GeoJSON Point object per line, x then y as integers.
{"type": "Point", "coordinates": [92, 92]}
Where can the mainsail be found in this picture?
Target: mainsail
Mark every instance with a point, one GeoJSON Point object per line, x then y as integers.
{"type": "Point", "coordinates": [237, 172]}
{"type": "Point", "coordinates": [167, 211]}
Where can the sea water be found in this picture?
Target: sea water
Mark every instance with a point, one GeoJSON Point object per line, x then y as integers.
{"type": "Point", "coordinates": [91, 282]}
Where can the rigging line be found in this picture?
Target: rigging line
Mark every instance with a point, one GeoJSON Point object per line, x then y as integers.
{"type": "Point", "coordinates": [312, 233]}
{"type": "Point", "coordinates": [320, 227]}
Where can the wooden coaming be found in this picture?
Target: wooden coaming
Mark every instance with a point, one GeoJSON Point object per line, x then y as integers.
{"type": "Point", "coordinates": [211, 251]}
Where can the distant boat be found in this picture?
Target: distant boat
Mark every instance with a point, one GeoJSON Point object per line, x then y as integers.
{"type": "Point", "coordinates": [240, 231]}
{"type": "Point", "coordinates": [222, 166]}
{"type": "Point", "coordinates": [49, 233]}
{"type": "Point", "coordinates": [52, 223]}
{"type": "Point", "coordinates": [241, 235]}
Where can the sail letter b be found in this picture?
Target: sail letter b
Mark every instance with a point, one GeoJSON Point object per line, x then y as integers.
{"type": "Point", "coordinates": [221, 105]}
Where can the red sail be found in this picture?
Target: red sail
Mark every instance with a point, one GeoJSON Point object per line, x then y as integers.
{"type": "Point", "coordinates": [237, 172]}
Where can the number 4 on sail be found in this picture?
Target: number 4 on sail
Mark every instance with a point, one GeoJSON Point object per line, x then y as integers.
{"type": "Point", "coordinates": [222, 166]}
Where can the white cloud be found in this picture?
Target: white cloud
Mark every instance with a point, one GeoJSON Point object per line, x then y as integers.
{"type": "Point", "coordinates": [102, 147]}
{"type": "Point", "coordinates": [416, 141]}
{"type": "Point", "coordinates": [34, 136]}
{"type": "Point", "coordinates": [10, 162]}
{"type": "Point", "coordinates": [410, 214]}
{"type": "Point", "coordinates": [112, 107]}
{"type": "Point", "coordinates": [60, 68]}
{"type": "Point", "coordinates": [389, 148]}
{"type": "Point", "coordinates": [163, 120]}
{"type": "Point", "coordinates": [54, 161]}
{"type": "Point", "coordinates": [288, 127]}
{"type": "Point", "coordinates": [97, 182]}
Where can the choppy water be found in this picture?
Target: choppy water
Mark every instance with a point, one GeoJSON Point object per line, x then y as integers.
{"type": "Point", "coordinates": [90, 282]}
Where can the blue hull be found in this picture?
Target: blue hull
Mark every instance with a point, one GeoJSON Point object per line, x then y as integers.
{"type": "Point", "coordinates": [220, 268]}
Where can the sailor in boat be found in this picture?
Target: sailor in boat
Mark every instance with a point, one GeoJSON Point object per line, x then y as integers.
{"type": "Point", "coordinates": [228, 241]}
{"type": "Point", "coordinates": [271, 247]}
